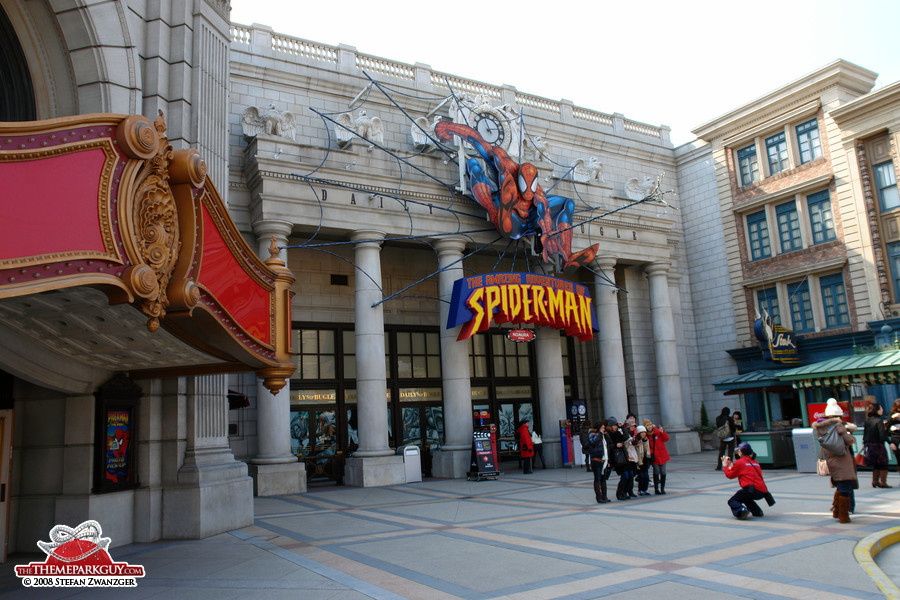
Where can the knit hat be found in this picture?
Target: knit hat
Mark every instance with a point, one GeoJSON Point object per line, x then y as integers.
{"type": "Point", "coordinates": [640, 429]}
{"type": "Point", "coordinates": [745, 449]}
{"type": "Point", "coordinates": [832, 409]}
{"type": "Point", "coordinates": [612, 421]}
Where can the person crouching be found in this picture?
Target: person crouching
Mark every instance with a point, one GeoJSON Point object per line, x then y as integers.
{"type": "Point", "coordinates": [749, 476]}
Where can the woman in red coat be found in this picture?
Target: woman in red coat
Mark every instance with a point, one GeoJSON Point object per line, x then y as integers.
{"type": "Point", "coordinates": [658, 438]}
{"type": "Point", "coordinates": [526, 446]}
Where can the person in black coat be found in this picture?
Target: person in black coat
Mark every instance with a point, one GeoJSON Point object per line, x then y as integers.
{"type": "Point", "coordinates": [875, 436]}
{"type": "Point", "coordinates": [726, 444]}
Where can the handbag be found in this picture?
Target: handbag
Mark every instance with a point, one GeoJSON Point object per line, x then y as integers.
{"type": "Point", "coordinates": [724, 431]}
{"type": "Point", "coordinates": [822, 465]}
{"type": "Point", "coordinates": [860, 458]}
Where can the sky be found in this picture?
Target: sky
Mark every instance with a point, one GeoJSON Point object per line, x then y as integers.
{"type": "Point", "coordinates": [676, 63]}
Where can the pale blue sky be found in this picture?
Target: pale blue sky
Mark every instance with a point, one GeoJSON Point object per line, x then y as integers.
{"type": "Point", "coordinates": [661, 62]}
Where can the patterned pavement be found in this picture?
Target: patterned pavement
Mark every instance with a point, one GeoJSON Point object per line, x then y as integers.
{"type": "Point", "coordinates": [539, 536]}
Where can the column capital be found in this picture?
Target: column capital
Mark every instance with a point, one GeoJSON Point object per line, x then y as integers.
{"type": "Point", "coordinates": [265, 228]}
{"type": "Point", "coordinates": [452, 245]}
{"type": "Point", "coordinates": [658, 268]}
{"type": "Point", "coordinates": [605, 262]}
{"type": "Point", "coordinates": [367, 237]}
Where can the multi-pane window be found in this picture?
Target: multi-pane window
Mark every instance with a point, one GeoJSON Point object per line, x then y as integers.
{"type": "Point", "coordinates": [777, 150]}
{"type": "Point", "coordinates": [768, 304]}
{"type": "Point", "coordinates": [808, 141]}
{"type": "Point", "coordinates": [418, 354]}
{"type": "Point", "coordinates": [315, 354]}
{"type": "Point", "coordinates": [748, 165]}
{"type": "Point", "coordinates": [758, 233]}
{"type": "Point", "coordinates": [511, 359]}
{"type": "Point", "coordinates": [894, 259]}
{"type": "Point", "coordinates": [788, 226]}
{"type": "Point", "coordinates": [886, 184]}
{"type": "Point", "coordinates": [834, 301]}
{"type": "Point", "coordinates": [801, 306]}
{"type": "Point", "coordinates": [820, 218]}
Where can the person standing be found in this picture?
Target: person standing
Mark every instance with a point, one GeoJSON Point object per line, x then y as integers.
{"type": "Point", "coordinates": [618, 440]}
{"type": "Point", "coordinates": [644, 458]}
{"type": "Point", "coordinates": [841, 466]}
{"type": "Point", "coordinates": [526, 447]}
{"type": "Point", "coordinates": [598, 450]}
{"type": "Point", "coordinates": [749, 476]}
{"type": "Point", "coordinates": [658, 438]}
{"type": "Point", "coordinates": [875, 436]}
{"type": "Point", "coordinates": [893, 427]}
{"type": "Point", "coordinates": [538, 444]}
{"type": "Point", "coordinates": [726, 441]}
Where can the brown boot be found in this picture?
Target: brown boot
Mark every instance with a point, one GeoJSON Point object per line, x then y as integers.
{"type": "Point", "coordinates": [834, 504]}
{"type": "Point", "coordinates": [883, 479]}
{"type": "Point", "coordinates": [875, 477]}
{"type": "Point", "coordinates": [843, 505]}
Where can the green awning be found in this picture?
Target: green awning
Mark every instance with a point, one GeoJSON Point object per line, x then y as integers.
{"type": "Point", "coordinates": [753, 379]}
{"type": "Point", "coordinates": [876, 368]}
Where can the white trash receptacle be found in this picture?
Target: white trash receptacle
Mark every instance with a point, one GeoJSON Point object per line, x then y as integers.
{"type": "Point", "coordinates": [412, 463]}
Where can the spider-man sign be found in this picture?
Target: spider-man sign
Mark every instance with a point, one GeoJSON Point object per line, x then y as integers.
{"type": "Point", "coordinates": [516, 204]}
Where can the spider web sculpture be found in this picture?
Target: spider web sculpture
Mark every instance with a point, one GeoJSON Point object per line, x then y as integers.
{"type": "Point", "coordinates": [535, 222]}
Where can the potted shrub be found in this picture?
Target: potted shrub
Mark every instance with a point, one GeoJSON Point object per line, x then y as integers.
{"type": "Point", "coordinates": [705, 430]}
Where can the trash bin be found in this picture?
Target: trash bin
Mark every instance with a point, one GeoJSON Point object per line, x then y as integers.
{"type": "Point", "coordinates": [806, 449]}
{"type": "Point", "coordinates": [412, 462]}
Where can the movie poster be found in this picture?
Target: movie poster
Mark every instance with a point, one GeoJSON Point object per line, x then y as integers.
{"type": "Point", "coordinates": [117, 466]}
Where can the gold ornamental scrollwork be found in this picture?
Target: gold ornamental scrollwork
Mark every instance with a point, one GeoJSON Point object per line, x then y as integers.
{"type": "Point", "coordinates": [155, 218]}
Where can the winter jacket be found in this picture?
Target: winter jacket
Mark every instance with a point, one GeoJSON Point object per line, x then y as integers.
{"type": "Point", "coordinates": [658, 441]}
{"type": "Point", "coordinates": [748, 472]}
{"type": "Point", "coordinates": [842, 468]}
{"type": "Point", "coordinates": [642, 450]}
{"type": "Point", "coordinates": [893, 426]}
{"type": "Point", "coordinates": [874, 432]}
{"type": "Point", "coordinates": [526, 447]}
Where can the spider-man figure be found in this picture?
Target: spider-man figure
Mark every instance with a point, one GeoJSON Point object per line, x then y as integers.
{"type": "Point", "coordinates": [515, 202]}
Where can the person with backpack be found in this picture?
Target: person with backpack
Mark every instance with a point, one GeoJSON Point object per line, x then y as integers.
{"type": "Point", "coordinates": [725, 432]}
{"type": "Point", "coordinates": [598, 451]}
{"type": "Point", "coordinates": [836, 439]}
{"type": "Point", "coordinates": [619, 440]}
{"type": "Point", "coordinates": [749, 476]}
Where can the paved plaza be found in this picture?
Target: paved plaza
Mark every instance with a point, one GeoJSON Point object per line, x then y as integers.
{"type": "Point", "coordinates": [539, 536]}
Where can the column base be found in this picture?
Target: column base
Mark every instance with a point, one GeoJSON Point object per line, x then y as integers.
{"type": "Point", "coordinates": [374, 471]}
{"type": "Point", "coordinates": [452, 464]}
{"type": "Point", "coordinates": [278, 479]}
{"type": "Point", "coordinates": [683, 442]}
{"type": "Point", "coordinates": [207, 501]}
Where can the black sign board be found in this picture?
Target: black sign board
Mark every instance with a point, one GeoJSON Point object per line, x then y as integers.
{"type": "Point", "coordinates": [484, 454]}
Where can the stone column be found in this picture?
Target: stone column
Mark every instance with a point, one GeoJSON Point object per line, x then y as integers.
{"type": "Point", "coordinates": [453, 459]}
{"type": "Point", "coordinates": [373, 463]}
{"type": "Point", "coordinates": [275, 469]}
{"type": "Point", "coordinates": [666, 349]}
{"type": "Point", "coordinates": [213, 493]}
{"type": "Point", "coordinates": [551, 391]}
{"type": "Point", "coordinates": [609, 341]}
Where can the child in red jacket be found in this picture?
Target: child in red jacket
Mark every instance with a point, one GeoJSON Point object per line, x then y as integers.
{"type": "Point", "coordinates": [749, 476]}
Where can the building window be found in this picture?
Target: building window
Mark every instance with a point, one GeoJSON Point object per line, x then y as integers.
{"type": "Point", "coordinates": [768, 304]}
{"type": "Point", "coordinates": [748, 165]}
{"type": "Point", "coordinates": [418, 354]}
{"type": "Point", "coordinates": [820, 217]}
{"type": "Point", "coordinates": [510, 358]}
{"type": "Point", "coordinates": [886, 184]}
{"type": "Point", "coordinates": [758, 232]}
{"type": "Point", "coordinates": [777, 150]}
{"type": "Point", "coordinates": [808, 141]}
{"type": "Point", "coordinates": [834, 301]}
{"type": "Point", "coordinates": [894, 259]}
{"type": "Point", "coordinates": [801, 306]}
{"type": "Point", "coordinates": [315, 354]}
{"type": "Point", "coordinates": [788, 226]}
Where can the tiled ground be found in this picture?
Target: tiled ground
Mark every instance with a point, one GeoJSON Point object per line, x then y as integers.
{"type": "Point", "coordinates": [537, 536]}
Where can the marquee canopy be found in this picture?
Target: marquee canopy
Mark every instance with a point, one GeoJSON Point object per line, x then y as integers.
{"type": "Point", "coordinates": [874, 368]}
{"type": "Point", "coordinates": [117, 254]}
